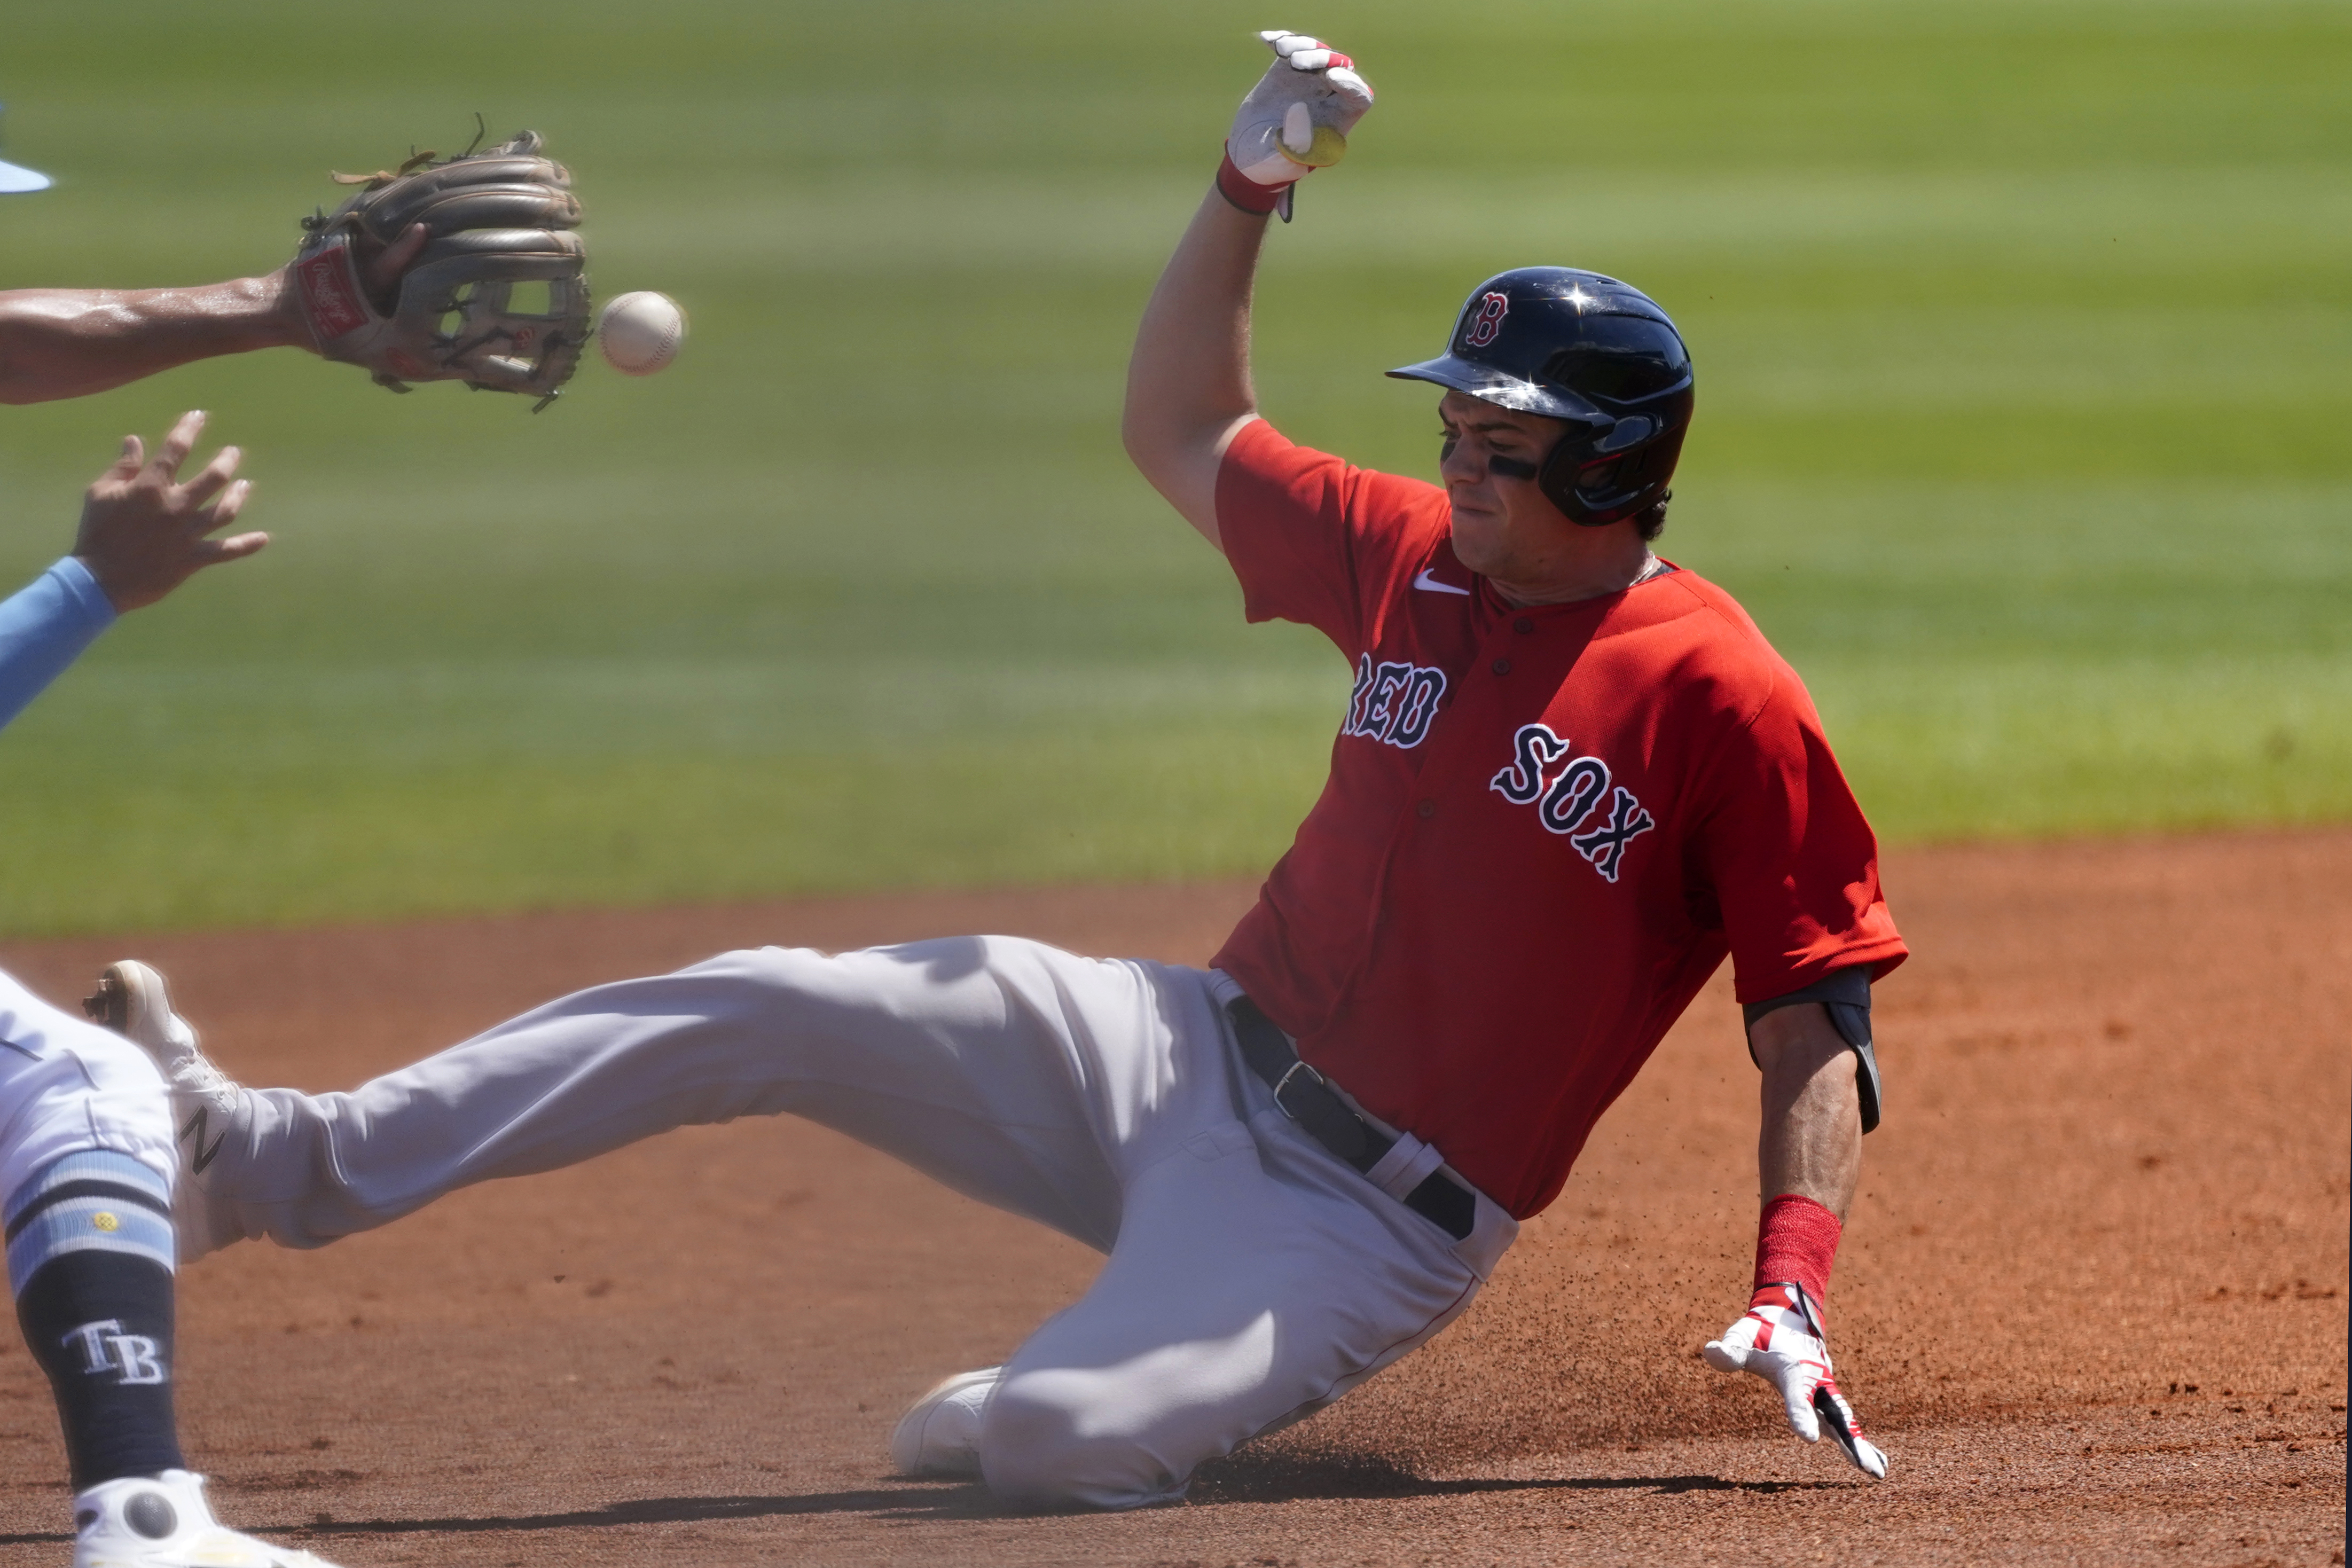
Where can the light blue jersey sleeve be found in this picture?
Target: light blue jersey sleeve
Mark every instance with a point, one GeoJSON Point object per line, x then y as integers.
{"type": "Point", "coordinates": [44, 628]}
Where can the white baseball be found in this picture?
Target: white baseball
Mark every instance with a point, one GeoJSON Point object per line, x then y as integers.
{"type": "Point", "coordinates": [639, 333]}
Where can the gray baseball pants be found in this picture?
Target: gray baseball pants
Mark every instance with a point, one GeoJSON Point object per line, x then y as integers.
{"type": "Point", "coordinates": [1253, 1278]}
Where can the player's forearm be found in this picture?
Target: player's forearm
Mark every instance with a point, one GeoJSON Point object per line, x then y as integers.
{"type": "Point", "coordinates": [69, 343]}
{"type": "Point", "coordinates": [1188, 382]}
{"type": "Point", "coordinates": [1811, 1144]}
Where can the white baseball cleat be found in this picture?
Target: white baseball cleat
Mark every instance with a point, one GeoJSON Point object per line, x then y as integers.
{"type": "Point", "coordinates": [211, 1110]}
{"type": "Point", "coordinates": [165, 1524]}
{"type": "Point", "coordinates": [938, 1437]}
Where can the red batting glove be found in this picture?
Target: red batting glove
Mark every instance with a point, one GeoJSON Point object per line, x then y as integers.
{"type": "Point", "coordinates": [1780, 1340]}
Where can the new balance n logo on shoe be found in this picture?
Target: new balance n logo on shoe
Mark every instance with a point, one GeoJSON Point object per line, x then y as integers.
{"type": "Point", "coordinates": [192, 1133]}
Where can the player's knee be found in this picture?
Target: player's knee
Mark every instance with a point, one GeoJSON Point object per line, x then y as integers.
{"type": "Point", "coordinates": [781, 976]}
{"type": "Point", "coordinates": [90, 1094]}
{"type": "Point", "coordinates": [103, 1079]}
{"type": "Point", "coordinates": [1038, 1453]}
{"type": "Point", "coordinates": [107, 1059]}
{"type": "Point", "coordinates": [802, 988]}
{"type": "Point", "coordinates": [784, 988]}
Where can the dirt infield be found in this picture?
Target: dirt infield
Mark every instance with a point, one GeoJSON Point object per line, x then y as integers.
{"type": "Point", "coordinates": [2093, 1298]}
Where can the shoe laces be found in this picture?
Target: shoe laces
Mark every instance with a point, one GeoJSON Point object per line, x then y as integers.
{"type": "Point", "coordinates": [194, 1074]}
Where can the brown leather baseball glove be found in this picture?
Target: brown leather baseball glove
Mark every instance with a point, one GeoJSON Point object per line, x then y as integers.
{"type": "Point", "coordinates": [499, 297]}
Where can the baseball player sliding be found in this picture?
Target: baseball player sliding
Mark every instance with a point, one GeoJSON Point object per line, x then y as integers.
{"type": "Point", "coordinates": [87, 1132]}
{"type": "Point", "coordinates": [1572, 778]}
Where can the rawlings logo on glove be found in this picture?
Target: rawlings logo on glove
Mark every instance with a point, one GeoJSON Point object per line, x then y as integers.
{"type": "Point", "coordinates": [1781, 1340]}
{"type": "Point", "coordinates": [1295, 122]}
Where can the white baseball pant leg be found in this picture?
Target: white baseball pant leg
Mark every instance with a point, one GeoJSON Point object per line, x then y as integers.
{"type": "Point", "coordinates": [1253, 1277]}
{"type": "Point", "coordinates": [68, 1087]}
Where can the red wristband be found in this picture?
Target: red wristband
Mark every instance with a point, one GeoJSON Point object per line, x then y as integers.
{"type": "Point", "coordinates": [1245, 193]}
{"type": "Point", "coordinates": [1796, 1242]}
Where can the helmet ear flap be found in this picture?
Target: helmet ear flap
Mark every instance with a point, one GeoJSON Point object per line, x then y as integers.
{"type": "Point", "coordinates": [1557, 479]}
{"type": "Point", "coordinates": [1636, 479]}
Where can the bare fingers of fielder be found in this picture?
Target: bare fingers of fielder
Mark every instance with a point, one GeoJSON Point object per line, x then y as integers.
{"type": "Point", "coordinates": [143, 535]}
{"type": "Point", "coordinates": [177, 445]}
{"type": "Point", "coordinates": [1779, 1339]}
{"type": "Point", "coordinates": [223, 512]}
{"type": "Point", "coordinates": [202, 550]}
{"type": "Point", "coordinates": [125, 467]}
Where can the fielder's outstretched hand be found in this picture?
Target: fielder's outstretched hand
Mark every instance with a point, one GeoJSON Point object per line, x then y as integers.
{"type": "Point", "coordinates": [1297, 120]}
{"type": "Point", "coordinates": [143, 533]}
{"type": "Point", "coordinates": [1780, 1340]}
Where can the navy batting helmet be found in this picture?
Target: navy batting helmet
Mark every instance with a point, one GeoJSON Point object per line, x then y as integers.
{"type": "Point", "coordinates": [1577, 346]}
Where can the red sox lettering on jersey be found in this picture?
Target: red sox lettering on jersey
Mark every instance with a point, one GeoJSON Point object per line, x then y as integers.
{"type": "Point", "coordinates": [1563, 798]}
{"type": "Point", "coordinates": [1393, 703]}
{"type": "Point", "coordinates": [1544, 825]}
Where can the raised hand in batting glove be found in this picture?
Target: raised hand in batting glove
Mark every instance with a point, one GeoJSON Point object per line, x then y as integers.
{"type": "Point", "coordinates": [1781, 1340]}
{"type": "Point", "coordinates": [1295, 122]}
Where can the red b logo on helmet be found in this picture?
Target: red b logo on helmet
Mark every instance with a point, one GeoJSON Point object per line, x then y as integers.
{"type": "Point", "coordinates": [1488, 325]}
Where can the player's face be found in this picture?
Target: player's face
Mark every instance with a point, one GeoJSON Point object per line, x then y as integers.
{"type": "Point", "coordinates": [1502, 524]}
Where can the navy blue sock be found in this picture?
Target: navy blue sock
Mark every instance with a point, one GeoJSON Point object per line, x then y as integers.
{"type": "Point", "coordinates": [89, 1253]}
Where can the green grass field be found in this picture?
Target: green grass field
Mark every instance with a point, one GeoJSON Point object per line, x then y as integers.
{"type": "Point", "coordinates": [2021, 334]}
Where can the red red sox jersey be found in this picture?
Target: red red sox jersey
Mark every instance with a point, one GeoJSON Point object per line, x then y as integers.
{"type": "Point", "coordinates": [1543, 828]}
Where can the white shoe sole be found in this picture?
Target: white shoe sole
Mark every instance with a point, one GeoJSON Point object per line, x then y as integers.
{"type": "Point", "coordinates": [938, 1436]}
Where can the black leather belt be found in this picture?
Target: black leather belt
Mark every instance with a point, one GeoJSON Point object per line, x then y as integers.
{"type": "Point", "coordinates": [1308, 1099]}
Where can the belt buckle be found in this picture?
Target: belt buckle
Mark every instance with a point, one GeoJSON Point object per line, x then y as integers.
{"type": "Point", "coordinates": [1283, 1083]}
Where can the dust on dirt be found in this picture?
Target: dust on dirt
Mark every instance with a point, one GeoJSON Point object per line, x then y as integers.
{"type": "Point", "coordinates": [2092, 1298]}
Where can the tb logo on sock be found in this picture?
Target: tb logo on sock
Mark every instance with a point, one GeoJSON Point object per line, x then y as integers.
{"type": "Point", "coordinates": [106, 1348]}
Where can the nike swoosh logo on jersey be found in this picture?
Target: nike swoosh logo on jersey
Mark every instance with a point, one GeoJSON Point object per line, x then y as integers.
{"type": "Point", "coordinates": [1431, 585]}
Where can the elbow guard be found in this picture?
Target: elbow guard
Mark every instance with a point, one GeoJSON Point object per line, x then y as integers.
{"type": "Point", "coordinates": [1845, 995]}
